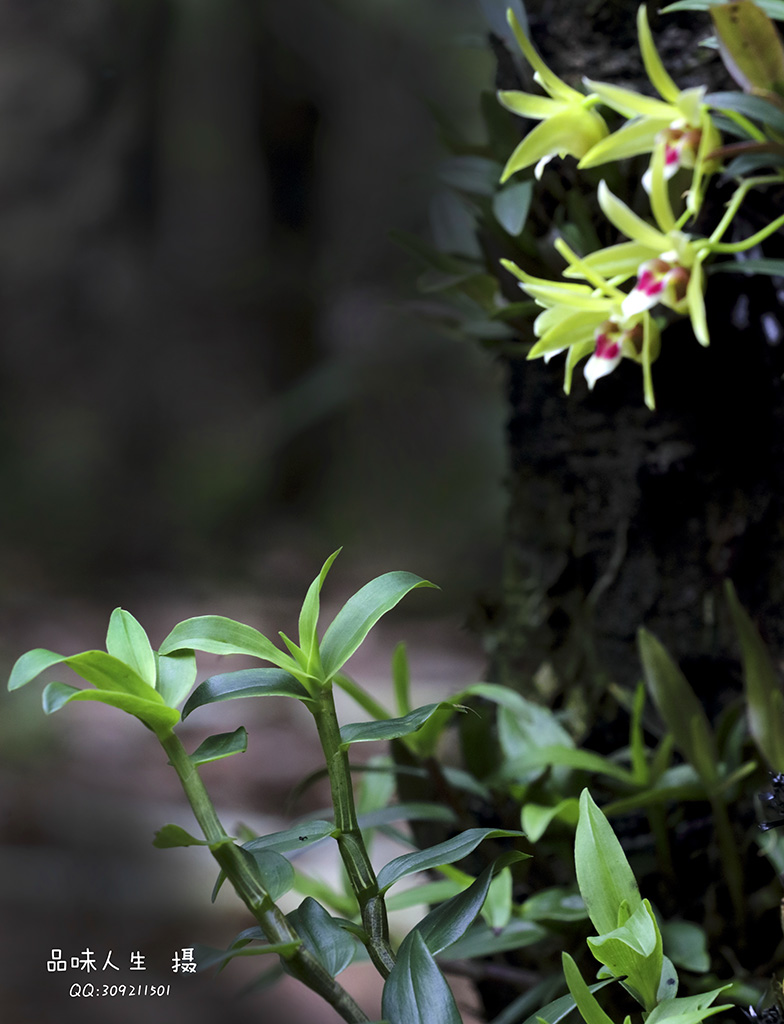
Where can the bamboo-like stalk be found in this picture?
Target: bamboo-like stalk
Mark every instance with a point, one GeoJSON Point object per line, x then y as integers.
{"type": "Point", "coordinates": [240, 872]}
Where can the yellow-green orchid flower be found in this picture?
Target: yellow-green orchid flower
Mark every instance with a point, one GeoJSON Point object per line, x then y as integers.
{"type": "Point", "coordinates": [679, 123]}
{"type": "Point", "coordinates": [666, 261]}
{"type": "Point", "coordinates": [569, 124]}
{"type": "Point", "coordinates": [589, 320]}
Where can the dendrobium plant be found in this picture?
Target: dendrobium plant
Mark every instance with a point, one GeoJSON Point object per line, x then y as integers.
{"type": "Point", "coordinates": [599, 318]}
{"type": "Point", "coordinates": [679, 124]}
{"type": "Point", "coordinates": [589, 319]}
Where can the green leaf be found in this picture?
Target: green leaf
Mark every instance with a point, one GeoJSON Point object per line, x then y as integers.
{"type": "Point", "coordinates": [176, 676]}
{"type": "Point", "coordinates": [536, 818]}
{"type": "Point", "coordinates": [555, 1011]}
{"type": "Point", "coordinates": [511, 206]}
{"type": "Point", "coordinates": [520, 768]}
{"type": "Point", "coordinates": [273, 871]}
{"type": "Point", "coordinates": [442, 853]}
{"type": "Point", "coordinates": [683, 714]}
{"type": "Point", "coordinates": [215, 634]}
{"type": "Point", "coordinates": [295, 838]}
{"type": "Point", "coordinates": [764, 698]}
{"type": "Point", "coordinates": [474, 174]}
{"type": "Point", "coordinates": [603, 874]}
{"type": "Point", "coordinates": [686, 945]}
{"type": "Point", "coordinates": [401, 679]}
{"type": "Point", "coordinates": [206, 956]}
{"type": "Point", "coordinates": [97, 667]}
{"type": "Point", "coordinates": [331, 944]}
{"type": "Point", "coordinates": [431, 256]}
{"type": "Point", "coordinates": [774, 268]}
{"type": "Point", "coordinates": [634, 951]}
{"type": "Point", "coordinates": [127, 641]}
{"type": "Point", "coordinates": [248, 682]}
{"type": "Point", "coordinates": [482, 940]}
{"type": "Point", "coordinates": [447, 923]}
{"type": "Point", "coordinates": [586, 1002]}
{"type": "Point", "coordinates": [222, 744]}
{"type": "Point", "coordinates": [416, 991]}
{"type": "Point", "coordinates": [749, 46]}
{"type": "Point", "coordinates": [453, 224]}
{"type": "Point", "coordinates": [755, 107]}
{"type": "Point", "coordinates": [409, 811]}
{"type": "Point", "coordinates": [170, 836]}
{"type": "Point", "coordinates": [308, 617]}
{"type": "Point", "coordinates": [688, 1009]}
{"type": "Point", "coordinates": [360, 613]}
{"type": "Point", "coordinates": [774, 8]}
{"type": "Point", "coordinates": [388, 728]}
{"type": "Point", "coordinates": [160, 718]}
{"type": "Point", "coordinates": [556, 904]}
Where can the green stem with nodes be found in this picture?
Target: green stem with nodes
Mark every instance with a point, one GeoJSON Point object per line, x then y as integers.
{"type": "Point", "coordinates": [350, 842]}
{"type": "Point", "coordinates": [732, 208]}
{"type": "Point", "coordinates": [240, 871]}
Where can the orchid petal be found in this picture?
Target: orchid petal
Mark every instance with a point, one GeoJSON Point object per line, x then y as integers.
{"type": "Point", "coordinates": [527, 105]}
{"type": "Point", "coordinates": [571, 331]}
{"type": "Point", "coordinates": [660, 196]}
{"type": "Point", "coordinates": [661, 81]}
{"type": "Point", "coordinates": [628, 223]}
{"type": "Point", "coordinates": [648, 355]}
{"type": "Point", "coordinates": [631, 103]}
{"type": "Point", "coordinates": [600, 366]}
{"type": "Point", "coordinates": [690, 103]}
{"type": "Point", "coordinates": [620, 260]}
{"type": "Point", "coordinates": [549, 81]}
{"type": "Point", "coordinates": [696, 301]}
{"type": "Point", "coordinates": [571, 132]}
{"type": "Point", "coordinates": [575, 354]}
{"type": "Point", "coordinates": [633, 138]}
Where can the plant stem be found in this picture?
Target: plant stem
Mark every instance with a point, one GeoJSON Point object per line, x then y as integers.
{"type": "Point", "coordinates": [350, 842]}
{"type": "Point", "coordinates": [240, 871]}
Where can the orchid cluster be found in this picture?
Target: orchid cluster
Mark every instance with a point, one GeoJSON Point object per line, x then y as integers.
{"type": "Point", "coordinates": [600, 317]}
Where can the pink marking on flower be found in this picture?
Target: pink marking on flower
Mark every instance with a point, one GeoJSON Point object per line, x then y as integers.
{"type": "Point", "coordinates": [649, 282]}
{"type": "Point", "coordinates": [606, 348]}
{"type": "Point", "coordinates": [672, 156]}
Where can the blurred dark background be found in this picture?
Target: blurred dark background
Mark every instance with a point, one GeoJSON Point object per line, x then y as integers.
{"type": "Point", "coordinates": [210, 379]}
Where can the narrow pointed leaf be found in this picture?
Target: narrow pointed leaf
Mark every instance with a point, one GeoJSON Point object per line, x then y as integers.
{"type": "Point", "coordinates": [96, 667]}
{"type": "Point", "coordinates": [443, 853]}
{"type": "Point", "coordinates": [586, 1002]}
{"type": "Point", "coordinates": [360, 613]}
{"type": "Point", "coordinates": [171, 836]}
{"type": "Point", "coordinates": [308, 617]}
{"type": "Point", "coordinates": [389, 728]}
{"type": "Point", "coordinates": [449, 922]}
{"type": "Point", "coordinates": [215, 634]}
{"type": "Point", "coordinates": [556, 904]}
{"type": "Point", "coordinates": [603, 873]}
{"type": "Point", "coordinates": [416, 991]}
{"type": "Point", "coordinates": [221, 745]}
{"type": "Point", "coordinates": [250, 682]}
{"type": "Point", "coordinates": [535, 819]}
{"type": "Point", "coordinates": [764, 698]}
{"type": "Point", "coordinates": [683, 714]}
{"type": "Point", "coordinates": [127, 641]}
{"type": "Point", "coordinates": [482, 940]}
{"type": "Point", "coordinates": [555, 1011]}
{"type": "Point", "coordinates": [157, 715]}
{"type": "Point", "coordinates": [295, 838]}
{"type": "Point", "coordinates": [401, 679]}
{"type": "Point", "coordinates": [331, 944]}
